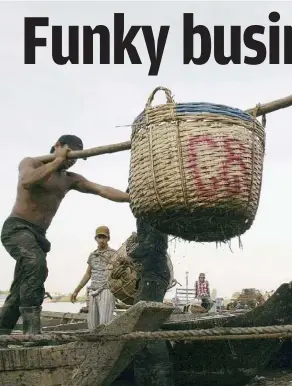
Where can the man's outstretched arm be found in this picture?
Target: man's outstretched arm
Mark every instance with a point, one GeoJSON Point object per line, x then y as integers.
{"type": "Point", "coordinates": [82, 185]}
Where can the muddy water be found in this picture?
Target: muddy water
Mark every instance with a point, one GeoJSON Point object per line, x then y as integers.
{"type": "Point", "coordinates": [55, 307]}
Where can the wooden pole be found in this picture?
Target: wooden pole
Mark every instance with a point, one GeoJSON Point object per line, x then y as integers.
{"type": "Point", "coordinates": [107, 149]}
{"type": "Point", "coordinates": [270, 107]}
{"type": "Point", "coordinates": [122, 146]}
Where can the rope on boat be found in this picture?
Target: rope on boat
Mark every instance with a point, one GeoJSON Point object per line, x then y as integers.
{"type": "Point", "coordinates": [213, 334]}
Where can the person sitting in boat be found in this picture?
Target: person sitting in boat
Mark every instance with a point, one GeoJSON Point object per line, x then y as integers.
{"type": "Point", "coordinates": [40, 191]}
{"type": "Point", "coordinates": [202, 291]}
{"type": "Point", "coordinates": [101, 300]}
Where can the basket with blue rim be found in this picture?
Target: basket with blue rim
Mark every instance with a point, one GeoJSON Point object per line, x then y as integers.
{"type": "Point", "coordinates": [196, 169]}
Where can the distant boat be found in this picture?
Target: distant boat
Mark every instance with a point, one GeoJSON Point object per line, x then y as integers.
{"type": "Point", "coordinates": [56, 298]}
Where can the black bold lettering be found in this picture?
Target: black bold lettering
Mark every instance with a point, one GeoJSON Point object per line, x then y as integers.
{"type": "Point", "coordinates": [189, 32]}
{"type": "Point", "coordinates": [274, 47]}
{"type": "Point", "coordinates": [30, 41]}
{"type": "Point", "coordinates": [287, 45]}
{"type": "Point", "coordinates": [104, 44]}
{"type": "Point", "coordinates": [255, 45]}
{"type": "Point", "coordinates": [155, 56]}
{"type": "Point", "coordinates": [73, 45]}
{"type": "Point", "coordinates": [122, 44]}
{"type": "Point", "coordinates": [235, 45]}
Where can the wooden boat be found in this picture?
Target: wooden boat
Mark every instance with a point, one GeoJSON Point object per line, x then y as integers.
{"type": "Point", "coordinates": [233, 362]}
{"type": "Point", "coordinates": [196, 362]}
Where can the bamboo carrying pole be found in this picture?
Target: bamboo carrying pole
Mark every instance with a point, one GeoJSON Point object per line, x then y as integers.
{"type": "Point", "coordinates": [122, 146]}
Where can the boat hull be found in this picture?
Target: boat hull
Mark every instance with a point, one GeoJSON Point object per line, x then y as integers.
{"type": "Point", "coordinates": [201, 363]}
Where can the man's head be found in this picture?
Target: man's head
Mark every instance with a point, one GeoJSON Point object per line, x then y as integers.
{"type": "Point", "coordinates": [102, 236]}
{"type": "Point", "coordinates": [202, 277]}
{"type": "Point", "coordinates": [73, 142]}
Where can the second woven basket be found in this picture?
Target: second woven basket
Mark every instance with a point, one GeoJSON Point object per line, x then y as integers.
{"type": "Point", "coordinates": [123, 278]}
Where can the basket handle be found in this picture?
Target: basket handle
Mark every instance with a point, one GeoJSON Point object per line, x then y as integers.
{"type": "Point", "coordinates": [167, 92]}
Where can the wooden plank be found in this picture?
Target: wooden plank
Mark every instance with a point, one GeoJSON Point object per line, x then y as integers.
{"type": "Point", "coordinates": [75, 353]}
{"type": "Point", "coordinates": [63, 315]}
{"type": "Point", "coordinates": [41, 358]}
{"type": "Point", "coordinates": [187, 318]}
{"type": "Point", "coordinates": [67, 327]}
{"type": "Point", "coordinates": [39, 377]}
{"type": "Point", "coordinates": [50, 318]}
{"type": "Point", "coordinates": [51, 322]}
{"type": "Point", "coordinates": [106, 361]}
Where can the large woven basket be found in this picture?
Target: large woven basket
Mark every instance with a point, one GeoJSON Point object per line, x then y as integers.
{"type": "Point", "coordinates": [123, 278]}
{"type": "Point", "coordinates": [196, 169]}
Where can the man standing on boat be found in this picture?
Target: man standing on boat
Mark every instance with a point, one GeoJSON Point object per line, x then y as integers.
{"type": "Point", "coordinates": [202, 291]}
{"type": "Point", "coordinates": [40, 191]}
{"type": "Point", "coordinates": [153, 365]}
{"type": "Point", "coordinates": [101, 300]}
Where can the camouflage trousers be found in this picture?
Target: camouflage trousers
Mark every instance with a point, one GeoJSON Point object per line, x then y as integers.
{"type": "Point", "coordinates": [27, 245]}
{"type": "Point", "coordinates": [153, 365]}
{"type": "Point", "coordinates": [151, 253]}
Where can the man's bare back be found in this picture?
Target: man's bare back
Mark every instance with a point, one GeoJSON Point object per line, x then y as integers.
{"type": "Point", "coordinates": [42, 187]}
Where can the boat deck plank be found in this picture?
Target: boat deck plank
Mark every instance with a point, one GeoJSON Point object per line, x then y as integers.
{"type": "Point", "coordinates": [106, 361]}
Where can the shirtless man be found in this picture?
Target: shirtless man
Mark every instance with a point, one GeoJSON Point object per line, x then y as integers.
{"type": "Point", "coordinates": [40, 191]}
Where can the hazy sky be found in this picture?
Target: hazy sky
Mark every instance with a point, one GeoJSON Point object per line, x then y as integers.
{"type": "Point", "coordinates": [40, 102]}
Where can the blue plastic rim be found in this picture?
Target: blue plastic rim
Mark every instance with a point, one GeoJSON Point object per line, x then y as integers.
{"type": "Point", "coordinates": [197, 108]}
{"type": "Point", "coordinates": [204, 107]}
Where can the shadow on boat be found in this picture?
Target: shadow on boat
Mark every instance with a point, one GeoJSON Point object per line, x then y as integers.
{"type": "Point", "coordinates": [231, 362]}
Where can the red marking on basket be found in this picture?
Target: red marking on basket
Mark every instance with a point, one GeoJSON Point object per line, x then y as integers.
{"type": "Point", "coordinates": [232, 144]}
{"type": "Point", "coordinates": [224, 178]}
{"type": "Point", "coordinates": [202, 189]}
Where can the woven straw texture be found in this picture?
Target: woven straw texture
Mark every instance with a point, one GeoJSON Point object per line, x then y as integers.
{"type": "Point", "coordinates": [196, 169]}
{"type": "Point", "coordinates": [123, 278]}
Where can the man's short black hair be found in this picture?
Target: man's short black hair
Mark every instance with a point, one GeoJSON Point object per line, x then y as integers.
{"type": "Point", "coordinates": [74, 142]}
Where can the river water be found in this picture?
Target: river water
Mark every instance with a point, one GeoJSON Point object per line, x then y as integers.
{"type": "Point", "coordinates": [55, 307]}
{"type": "Point", "coordinates": [62, 307]}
